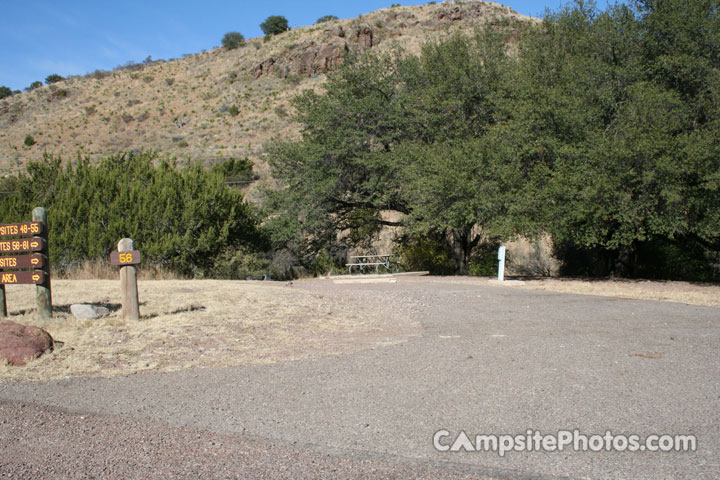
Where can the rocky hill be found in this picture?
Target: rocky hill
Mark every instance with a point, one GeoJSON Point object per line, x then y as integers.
{"type": "Point", "coordinates": [220, 103]}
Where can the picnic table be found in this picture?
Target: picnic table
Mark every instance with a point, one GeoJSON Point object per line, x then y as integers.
{"type": "Point", "coordinates": [366, 261]}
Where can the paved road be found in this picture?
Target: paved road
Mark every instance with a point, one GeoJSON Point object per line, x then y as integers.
{"type": "Point", "coordinates": [491, 360]}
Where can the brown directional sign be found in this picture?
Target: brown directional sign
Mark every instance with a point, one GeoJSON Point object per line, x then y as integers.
{"type": "Point", "coordinates": [22, 245]}
{"type": "Point", "coordinates": [12, 278]}
{"type": "Point", "coordinates": [125, 258]}
{"type": "Point", "coordinates": [22, 261]}
{"type": "Point", "coordinates": [14, 229]}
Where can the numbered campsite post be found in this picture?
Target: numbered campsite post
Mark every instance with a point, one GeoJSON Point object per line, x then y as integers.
{"type": "Point", "coordinates": [128, 279]}
{"type": "Point", "coordinates": [43, 292]}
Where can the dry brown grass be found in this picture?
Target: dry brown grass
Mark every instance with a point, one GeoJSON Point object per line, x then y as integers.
{"type": "Point", "coordinates": [681, 292]}
{"type": "Point", "coordinates": [196, 324]}
{"type": "Point", "coordinates": [663, 291]}
{"type": "Point", "coordinates": [102, 270]}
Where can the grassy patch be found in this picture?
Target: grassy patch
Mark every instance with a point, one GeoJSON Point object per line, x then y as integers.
{"type": "Point", "coordinates": [194, 324]}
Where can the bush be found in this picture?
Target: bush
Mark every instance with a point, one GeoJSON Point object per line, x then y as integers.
{"type": "Point", "coordinates": [420, 253]}
{"type": "Point", "coordinates": [59, 93]}
{"type": "Point", "coordinates": [100, 74]}
{"type": "Point", "coordinates": [5, 92]}
{"type": "Point", "coordinates": [235, 169]}
{"type": "Point", "coordinates": [324, 264]}
{"type": "Point", "coordinates": [29, 141]}
{"type": "Point", "coordinates": [677, 259]}
{"type": "Point", "coordinates": [233, 40]}
{"type": "Point", "coordinates": [234, 111]}
{"type": "Point", "coordinates": [484, 260]}
{"type": "Point", "coordinates": [54, 78]}
{"type": "Point", "coordinates": [326, 18]}
{"type": "Point", "coordinates": [183, 220]}
{"type": "Point", "coordinates": [242, 264]}
{"type": "Point", "coordinates": [274, 25]}
{"type": "Point", "coordinates": [33, 86]}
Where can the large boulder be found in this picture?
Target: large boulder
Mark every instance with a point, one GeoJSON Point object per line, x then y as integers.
{"type": "Point", "coordinates": [20, 343]}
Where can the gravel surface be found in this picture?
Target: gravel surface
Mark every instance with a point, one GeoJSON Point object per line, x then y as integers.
{"type": "Point", "coordinates": [490, 360]}
{"type": "Point", "coordinates": [38, 442]}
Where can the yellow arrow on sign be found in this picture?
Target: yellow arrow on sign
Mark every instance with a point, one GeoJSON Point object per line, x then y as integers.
{"type": "Point", "coordinates": [34, 261]}
{"type": "Point", "coordinates": [36, 277]}
{"type": "Point", "coordinates": [34, 244]}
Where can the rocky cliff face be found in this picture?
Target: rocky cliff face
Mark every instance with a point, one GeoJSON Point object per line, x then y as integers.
{"type": "Point", "coordinates": [317, 56]}
{"type": "Point", "coordinates": [220, 103]}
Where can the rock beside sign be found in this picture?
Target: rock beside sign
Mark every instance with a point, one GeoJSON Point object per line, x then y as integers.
{"type": "Point", "coordinates": [20, 343]}
{"type": "Point", "coordinates": [83, 311]}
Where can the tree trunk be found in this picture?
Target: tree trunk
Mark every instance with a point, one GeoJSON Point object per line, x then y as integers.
{"type": "Point", "coordinates": [461, 257]}
{"type": "Point", "coordinates": [462, 241]}
{"type": "Point", "coordinates": [627, 261]}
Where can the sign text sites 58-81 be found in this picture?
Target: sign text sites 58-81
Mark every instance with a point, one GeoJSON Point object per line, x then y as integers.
{"type": "Point", "coordinates": [27, 228]}
{"type": "Point", "coordinates": [22, 261]}
{"type": "Point", "coordinates": [11, 278]}
{"type": "Point", "coordinates": [22, 245]}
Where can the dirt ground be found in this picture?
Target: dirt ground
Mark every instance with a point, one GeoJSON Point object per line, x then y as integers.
{"type": "Point", "coordinates": [187, 324]}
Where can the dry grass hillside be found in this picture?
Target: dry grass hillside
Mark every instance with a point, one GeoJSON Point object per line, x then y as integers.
{"type": "Point", "coordinates": [220, 103]}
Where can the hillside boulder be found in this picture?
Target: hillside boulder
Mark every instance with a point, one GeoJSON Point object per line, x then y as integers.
{"type": "Point", "coordinates": [20, 343]}
{"type": "Point", "coordinates": [84, 311]}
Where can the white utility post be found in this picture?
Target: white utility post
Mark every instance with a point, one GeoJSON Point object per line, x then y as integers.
{"type": "Point", "coordinates": [501, 266]}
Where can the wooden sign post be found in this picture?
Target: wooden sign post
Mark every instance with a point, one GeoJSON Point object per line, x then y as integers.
{"type": "Point", "coordinates": [26, 269]}
{"type": "Point", "coordinates": [43, 292]}
{"type": "Point", "coordinates": [127, 258]}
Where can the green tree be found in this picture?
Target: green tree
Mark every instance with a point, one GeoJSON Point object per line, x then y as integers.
{"type": "Point", "coordinates": [29, 141]}
{"type": "Point", "coordinates": [680, 41]}
{"type": "Point", "coordinates": [339, 176]}
{"type": "Point", "coordinates": [370, 144]}
{"type": "Point", "coordinates": [5, 92]}
{"type": "Point", "coordinates": [620, 143]}
{"type": "Point", "coordinates": [233, 40]}
{"type": "Point", "coordinates": [466, 191]}
{"type": "Point", "coordinates": [461, 179]}
{"type": "Point", "coordinates": [603, 132]}
{"type": "Point", "coordinates": [274, 25]}
{"type": "Point", "coordinates": [53, 78]}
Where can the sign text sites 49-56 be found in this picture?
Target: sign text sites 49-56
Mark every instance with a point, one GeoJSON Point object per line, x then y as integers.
{"type": "Point", "coordinates": [22, 245]}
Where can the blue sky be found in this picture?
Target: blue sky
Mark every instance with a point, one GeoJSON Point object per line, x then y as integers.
{"type": "Point", "coordinates": [75, 37]}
